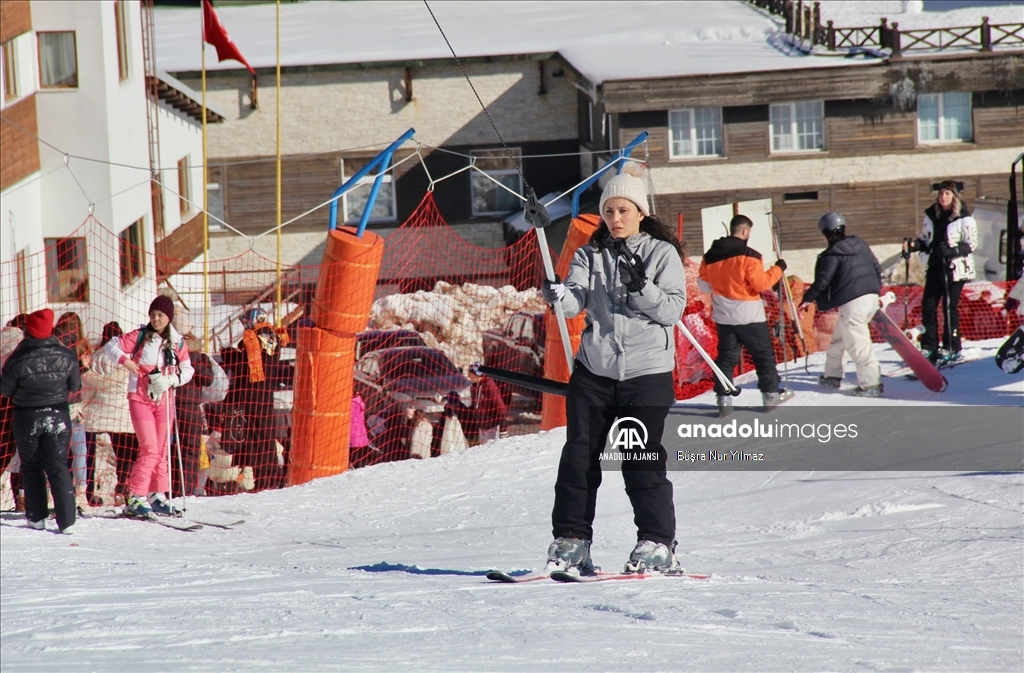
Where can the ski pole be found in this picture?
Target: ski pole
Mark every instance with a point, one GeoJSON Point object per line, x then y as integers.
{"type": "Point", "coordinates": [777, 243]}
{"type": "Point", "coordinates": [181, 466]}
{"type": "Point", "coordinates": [906, 284]}
{"type": "Point", "coordinates": [537, 216]}
{"type": "Point", "coordinates": [729, 386]}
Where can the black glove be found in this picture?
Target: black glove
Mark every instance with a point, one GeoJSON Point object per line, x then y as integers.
{"type": "Point", "coordinates": [453, 398]}
{"type": "Point", "coordinates": [552, 291]}
{"type": "Point", "coordinates": [1011, 304]}
{"type": "Point", "coordinates": [950, 252]}
{"type": "Point", "coordinates": [781, 263]}
{"type": "Point", "coordinates": [632, 270]}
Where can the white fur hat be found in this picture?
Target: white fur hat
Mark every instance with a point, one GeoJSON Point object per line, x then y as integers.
{"type": "Point", "coordinates": [628, 185]}
{"type": "Point", "coordinates": [182, 322]}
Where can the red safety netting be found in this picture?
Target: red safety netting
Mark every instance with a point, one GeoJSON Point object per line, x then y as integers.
{"type": "Point", "coordinates": [257, 384]}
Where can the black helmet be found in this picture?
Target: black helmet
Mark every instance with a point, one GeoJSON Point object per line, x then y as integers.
{"type": "Point", "coordinates": [831, 222]}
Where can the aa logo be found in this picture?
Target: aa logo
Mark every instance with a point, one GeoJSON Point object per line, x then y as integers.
{"type": "Point", "coordinates": [628, 434]}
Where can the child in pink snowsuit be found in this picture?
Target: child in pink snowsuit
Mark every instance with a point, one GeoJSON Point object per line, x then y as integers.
{"type": "Point", "coordinates": [157, 357]}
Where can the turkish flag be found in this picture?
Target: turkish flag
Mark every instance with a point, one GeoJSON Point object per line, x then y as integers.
{"type": "Point", "coordinates": [215, 34]}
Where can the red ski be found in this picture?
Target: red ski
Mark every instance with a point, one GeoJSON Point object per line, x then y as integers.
{"type": "Point", "coordinates": [925, 371]}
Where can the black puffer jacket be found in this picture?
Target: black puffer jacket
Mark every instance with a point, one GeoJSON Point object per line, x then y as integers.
{"type": "Point", "coordinates": [846, 270]}
{"type": "Point", "coordinates": [40, 373]}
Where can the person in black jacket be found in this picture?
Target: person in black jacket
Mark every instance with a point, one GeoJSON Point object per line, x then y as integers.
{"type": "Point", "coordinates": [847, 275]}
{"type": "Point", "coordinates": [190, 421]}
{"type": "Point", "coordinates": [39, 377]}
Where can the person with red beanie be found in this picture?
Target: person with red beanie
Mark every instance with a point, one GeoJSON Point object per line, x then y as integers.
{"type": "Point", "coordinates": [39, 377]}
{"type": "Point", "coordinates": [158, 361]}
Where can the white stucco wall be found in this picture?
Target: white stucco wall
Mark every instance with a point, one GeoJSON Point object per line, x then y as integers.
{"type": "Point", "coordinates": [180, 136]}
{"type": "Point", "coordinates": [103, 119]}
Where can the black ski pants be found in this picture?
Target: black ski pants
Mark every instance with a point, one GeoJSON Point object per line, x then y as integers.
{"type": "Point", "coordinates": [591, 406]}
{"type": "Point", "coordinates": [43, 435]}
{"type": "Point", "coordinates": [935, 291]}
{"type": "Point", "coordinates": [758, 342]}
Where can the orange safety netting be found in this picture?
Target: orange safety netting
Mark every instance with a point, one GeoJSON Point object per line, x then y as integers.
{"type": "Point", "coordinates": [308, 392]}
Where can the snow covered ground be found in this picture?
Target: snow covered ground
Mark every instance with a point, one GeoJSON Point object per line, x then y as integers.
{"type": "Point", "coordinates": [380, 569]}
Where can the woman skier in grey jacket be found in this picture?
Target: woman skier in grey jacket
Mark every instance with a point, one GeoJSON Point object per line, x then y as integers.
{"type": "Point", "coordinates": [630, 281]}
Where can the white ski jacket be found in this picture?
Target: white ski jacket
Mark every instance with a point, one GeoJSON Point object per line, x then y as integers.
{"type": "Point", "coordinates": [962, 233]}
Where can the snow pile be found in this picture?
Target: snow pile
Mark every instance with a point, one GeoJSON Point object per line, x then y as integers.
{"type": "Point", "coordinates": [453, 318]}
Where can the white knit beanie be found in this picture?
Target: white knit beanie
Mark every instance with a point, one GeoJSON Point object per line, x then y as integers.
{"type": "Point", "coordinates": [628, 186]}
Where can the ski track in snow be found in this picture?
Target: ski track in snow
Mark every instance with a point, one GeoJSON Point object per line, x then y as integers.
{"type": "Point", "coordinates": [841, 571]}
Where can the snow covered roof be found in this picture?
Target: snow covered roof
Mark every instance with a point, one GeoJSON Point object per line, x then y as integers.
{"type": "Point", "coordinates": [602, 40]}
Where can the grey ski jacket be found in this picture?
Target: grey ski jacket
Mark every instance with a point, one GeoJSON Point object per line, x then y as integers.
{"type": "Point", "coordinates": [627, 334]}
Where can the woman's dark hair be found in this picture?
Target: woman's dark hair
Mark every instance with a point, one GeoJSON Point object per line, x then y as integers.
{"type": "Point", "coordinates": [110, 330]}
{"type": "Point", "coordinates": [144, 337]}
{"type": "Point", "coordinates": [650, 225]}
{"type": "Point", "coordinates": [70, 331]}
{"type": "Point", "coordinates": [19, 321]}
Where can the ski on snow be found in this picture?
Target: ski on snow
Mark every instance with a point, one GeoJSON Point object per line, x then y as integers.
{"type": "Point", "coordinates": [168, 521]}
{"type": "Point", "coordinates": [176, 524]}
{"type": "Point", "coordinates": [564, 576]}
{"type": "Point", "coordinates": [569, 577]}
{"type": "Point", "coordinates": [225, 526]}
{"type": "Point", "coordinates": [501, 576]}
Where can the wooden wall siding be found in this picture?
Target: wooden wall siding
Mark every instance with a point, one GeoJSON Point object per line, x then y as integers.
{"type": "Point", "coordinates": [657, 142]}
{"type": "Point", "coordinates": [853, 136]}
{"type": "Point", "coordinates": [250, 197]}
{"type": "Point", "coordinates": [999, 126]}
{"type": "Point", "coordinates": [19, 152]}
{"type": "Point", "coordinates": [984, 72]}
{"type": "Point", "coordinates": [878, 213]}
{"type": "Point", "coordinates": [15, 18]}
{"type": "Point", "coordinates": [852, 128]}
{"type": "Point", "coordinates": [746, 141]}
{"type": "Point", "coordinates": [251, 194]}
{"type": "Point", "coordinates": [180, 247]}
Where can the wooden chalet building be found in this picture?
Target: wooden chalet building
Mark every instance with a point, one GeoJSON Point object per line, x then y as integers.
{"type": "Point", "coordinates": [870, 140]}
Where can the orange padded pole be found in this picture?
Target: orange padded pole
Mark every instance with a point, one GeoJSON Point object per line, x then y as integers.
{"type": "Point", "coordinates": [325, 354]}
{"type": "Point", "coordinates": [552, 413]}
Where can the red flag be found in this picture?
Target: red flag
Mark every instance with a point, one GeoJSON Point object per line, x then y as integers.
{"type": "Point", "coordinates": [215, 34]}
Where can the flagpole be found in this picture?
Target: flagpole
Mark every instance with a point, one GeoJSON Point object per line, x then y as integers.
{"type": "Point", "coordinates": [279, 316]}
{"type": "Point", "coordinates": [206, 204]}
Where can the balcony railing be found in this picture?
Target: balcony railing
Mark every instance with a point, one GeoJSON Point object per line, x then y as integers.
{"type": "Point", "coordinates": [803, 25]}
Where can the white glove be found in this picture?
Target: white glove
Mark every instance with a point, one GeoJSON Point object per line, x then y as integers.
{"type": "Point", "coordinates": [160, 383]}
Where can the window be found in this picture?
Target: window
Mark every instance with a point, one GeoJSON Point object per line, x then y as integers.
{"type": "Point", "coordinates": [799, 197]}
{"type": "Point", "coordinates": [944, 117]}
{"type": "Point", "coordinates": [10, 71]}
{"type": "Point", "coordinates": [696, 132]}
{"type": "Point", "coordinates": [184, 187]}
{"type": "Point", "coordinates": [590, 122]}
{"type": "Point", "coordinates": [609, 132]}
{"type": "Point", "coordinates": [132, 254]}
{"type": "Point", "coordinates": [23, 281]}
{"type": "Point", "coordinates": [488, 197]}
{"type": "Point", "coordinates": [797, 127]}
{"type": "Point", "coordinates": [354, 200]}
{"type": "Point", "coordinates": [58, 64]}
{"type": "Point", "coordinates": [67, 272]}
{"type": "Point", "coordinates": [121, 27]}
{"type": "Point", "coordinates": [215, 205]}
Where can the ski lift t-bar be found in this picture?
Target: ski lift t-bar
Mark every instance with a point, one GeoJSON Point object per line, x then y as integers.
{"type": "Point", "coordinates": [537, 216]}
